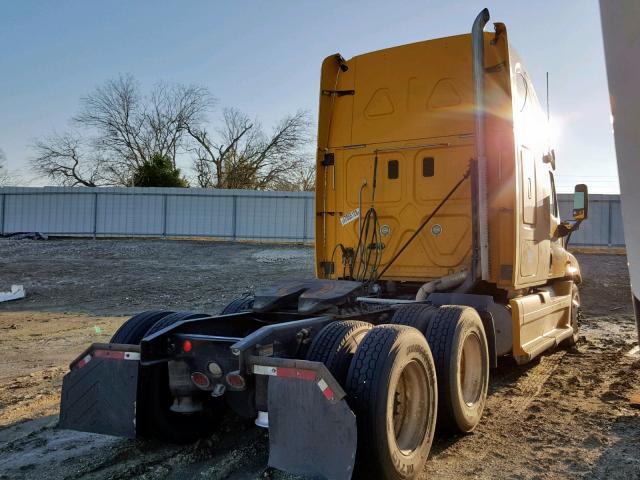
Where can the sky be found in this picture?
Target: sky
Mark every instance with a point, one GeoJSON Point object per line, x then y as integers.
{"type": "Point", "coordinates": [264, 58]}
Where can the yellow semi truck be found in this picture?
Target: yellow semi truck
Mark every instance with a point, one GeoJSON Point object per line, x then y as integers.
{"type": "Point", "coordinates": [398, 129]}
{"type": "Point", "coordinates": [439, 248]}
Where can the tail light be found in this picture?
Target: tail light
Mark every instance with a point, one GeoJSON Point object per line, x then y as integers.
{"type": "Point", "coordinates": [200, 380]}
{"type": "Point", "coordinates": [236, 381]}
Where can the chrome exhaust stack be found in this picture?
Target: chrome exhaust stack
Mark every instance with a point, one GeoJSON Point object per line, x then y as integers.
{"type": "Point", "coordinates": [481, 239]}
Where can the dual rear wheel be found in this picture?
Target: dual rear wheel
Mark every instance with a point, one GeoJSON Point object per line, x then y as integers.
{"type": "Point", "coordinates": [458, 343]}
{"type": "Point", "coordinates": [430, 363]}
{"type": "Point", "coordinates": [461, 356]}
{"type": "Point", "coordinates": [392, 389]}
{"type": "Point", "coordinates": [396, 377]}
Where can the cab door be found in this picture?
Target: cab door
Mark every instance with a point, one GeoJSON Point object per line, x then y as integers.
{"type": "Point", "coordinates": [539, 221]}
{"type": "Point", "coordinates": [529, 255]}
{"type": "Point", "coordinates": [545, 225]}
{"type": "Point", "coordinates": [558, 258]}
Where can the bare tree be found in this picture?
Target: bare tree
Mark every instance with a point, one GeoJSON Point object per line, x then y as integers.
{"type": "Point", "coordinates": [300, 179]}
{"type": "Point", "coordinates": [63, 158]}
{"type": "Point", "coordinates": [122, 130]}
{"type": "Point", "coordinates": [307, 178]}
{"type": "Point", "coordinates": [241, 155]}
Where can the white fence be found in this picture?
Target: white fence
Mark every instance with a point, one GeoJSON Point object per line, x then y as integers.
{"type": "Point", "coordinates": [164, 212]}
{"type": "Point", "coordinates": [224, 214]}
{"type": "Point", "coordinates": [603, 228]}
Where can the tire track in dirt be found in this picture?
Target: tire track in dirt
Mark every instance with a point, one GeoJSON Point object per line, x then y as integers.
{"type": "Point", "coordinates": [529, 386]}
{"type": "Point", "coordinates": [566, 416]}
{"type": "Point", "coordinates": [513, 392]}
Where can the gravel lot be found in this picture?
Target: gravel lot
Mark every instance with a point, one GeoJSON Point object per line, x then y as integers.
{"type": "Point", "coordinates": [122, 277]}
{"type": "Point", "coordinates": [565, 415]}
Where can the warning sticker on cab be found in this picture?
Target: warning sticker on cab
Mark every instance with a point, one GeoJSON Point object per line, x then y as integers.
{"type": "Point", "coordinates": [350, 217]}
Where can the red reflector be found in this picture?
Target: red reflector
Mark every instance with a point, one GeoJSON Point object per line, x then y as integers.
{"type": "Point", "coordinates": [186, 346]}
{"type": "Point", "coordinates": [108, 354]}
{"type": "Point", "coordinates": [296, 373]}
{"type": "Point", "coordinates": [235, 380]}
{"type": "Point", "coordinates": [328, 393]}
{"type": "Point", "coordinates": [200, 379]}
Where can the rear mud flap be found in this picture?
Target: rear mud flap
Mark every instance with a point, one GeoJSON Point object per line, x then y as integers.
{"type": "Point", "coordinates": [312, 430]}
{"type": "Point", "coordinates": [99, 393]}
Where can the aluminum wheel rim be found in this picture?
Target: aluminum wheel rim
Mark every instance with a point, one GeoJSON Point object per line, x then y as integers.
{"type": "Point", "coordinates": [470, 371]}
{"type": "Point", "coordinates": [409, 417]}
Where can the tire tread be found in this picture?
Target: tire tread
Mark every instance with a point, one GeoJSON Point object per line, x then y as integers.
{"type": "Point", "coordinates": [243, 303]}
{"type": "Point", "coordinates": [133, 330]}
{"type": "Point", "coordinates": [366, 385]}
{"type": "Point", "coordinates": [439, 337]}
{"type": "Point", "coordinates": [331, 338]}
{"type": "Point", "coordinates": [417, 315]}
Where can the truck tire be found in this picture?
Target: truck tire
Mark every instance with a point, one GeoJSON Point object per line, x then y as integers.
{"type": "Point", "coordinates": [416, 315]}
{"type": "Point", "coordinates": [237, 305]}
{"type": "Point", "coordinates": [392, 389]}
{"type": "Point", "coordinates": [575, 318]}
{"type": "Point", "coordinates": [173, 318]}
{"type": "Point", "coordinates": [133, 330]}
{"type": "Point", "coordinates": [154, 419]}
{"type": "Point", "coordinates": [460, 352]}
{"type": "Point", "coordinates": [335, 345]}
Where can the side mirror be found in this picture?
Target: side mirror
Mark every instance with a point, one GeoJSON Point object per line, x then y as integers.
{"type": "Point", "coordinates": [550, 158]}
{"type": "Point", "coordinates": [580, 202]}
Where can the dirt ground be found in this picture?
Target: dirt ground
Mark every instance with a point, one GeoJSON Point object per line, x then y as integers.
{"type": "Point", "coordinates": [118, 277]}
{"type": "Point", "coordinates": [566, 415]}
